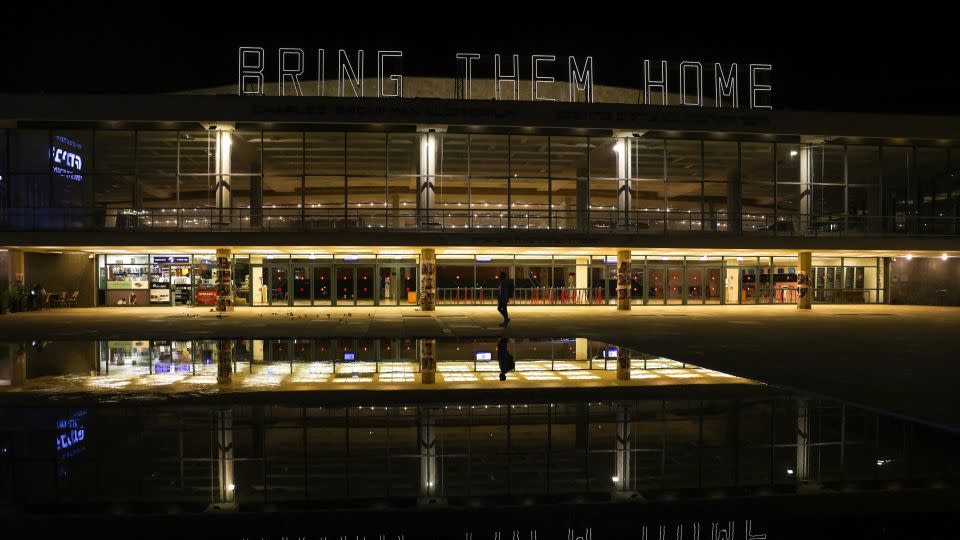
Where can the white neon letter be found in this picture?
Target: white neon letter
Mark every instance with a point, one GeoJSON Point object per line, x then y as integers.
{"type": "Point", "coordinates": [397, 79]}
{"type": "Point", "coordinates": [697, 67]}
{"type": "Point", "coordinates": [468, 59]}
{"type": "Point", "coordinates": [580, 80]}
{"type": "Point", "coordinates": [294, 73]}
{"type": "Point", "coordinates": [250, 63]}
{"type": "Point", "coordinates": [649, 83]}
{"type": "Point", "coordinates": [726, 85]}
{"type": "Point", "coordinates": [499, 77]}
{"type": "Point", "coordinates": [345, 70]}
{"type": "Point", "coordinates": [536, 79]}
{"type": "Point", "coordinates": [756, 87]}
{"type": "Point", "coordinates": [321, 71]}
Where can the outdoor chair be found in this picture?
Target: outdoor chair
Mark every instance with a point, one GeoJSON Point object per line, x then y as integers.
{"type": "Point", "coordinates": [71, 301]}
{"type": "Point", "coordinates": [58, 300]}
{"type": "Point", "coordinates": [45, 301]}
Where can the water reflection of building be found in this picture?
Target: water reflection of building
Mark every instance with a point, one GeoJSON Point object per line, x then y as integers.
{"type": "Point", "coordinates": [675, 447]}
{"type": "Point", "coordinates": [302, 364]}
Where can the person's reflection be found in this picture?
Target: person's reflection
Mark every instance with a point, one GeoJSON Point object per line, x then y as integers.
{"type": "Point", "coordinates": [504, 358]}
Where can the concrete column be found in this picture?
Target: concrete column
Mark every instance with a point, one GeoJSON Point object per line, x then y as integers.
{"type": "Point", "coordinates": [583, 200]}
{"type": "Point", "coordinates": [223, 449]}
{"type": "Point", "coordinates": [258, 288]}
{"type": "Point", "coordinates": [624, 173]}
{"type": "Point", "coordinates": [428, 279]}
{"type": "Point", "coordinates": [426, 178]}
{"type": "Point", "coordinates": [224, 279]}
{"type": "Point", "coordinates": [805, 280]}
{"type": "Point", "coordinates": [428, 361]}
{"type": "Point", "coordinates": [623, 365]}
{"type": "Point", "coordinates": [431, 491]}
{"type": "Point", "coordinates": [734, 202]}
{"type": "Point", "coordinates": [222, 169]}
{"type": "Point", "coordinates": [582, 281]}
{"type": "Point", "coordinates": [224, 361]}
{"type": "Point", "coordinates": [806, 168]}
{"type": "Point", "coordinates": [624, 273]}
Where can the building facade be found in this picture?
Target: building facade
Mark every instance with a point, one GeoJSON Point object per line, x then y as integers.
{"type": "Point", "coordinates": [204, 198]}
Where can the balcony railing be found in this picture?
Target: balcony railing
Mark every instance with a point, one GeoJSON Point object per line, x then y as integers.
{"type": "Point", "coordinates": [599, 222]}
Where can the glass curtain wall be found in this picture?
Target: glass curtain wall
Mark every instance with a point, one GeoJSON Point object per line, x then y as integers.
{"type": "Point", "coordinates": [209, 179]}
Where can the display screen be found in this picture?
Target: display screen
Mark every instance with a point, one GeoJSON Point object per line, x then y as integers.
{"type": "Point", "coordinates": [66, 158]}
{"type": "Point", "coordinates": [611, 352]}
{"type": "Point", "coordinates": [484, 356]}
{"type": "Point", "coordinates": [349, 356]}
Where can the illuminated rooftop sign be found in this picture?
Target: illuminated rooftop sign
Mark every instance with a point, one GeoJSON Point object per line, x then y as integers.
{"type": "Point", "coordinates": [690, 80]}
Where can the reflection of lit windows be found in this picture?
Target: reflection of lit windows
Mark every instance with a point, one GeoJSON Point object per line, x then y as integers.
{"type": "Point", "coordinates": [533, 366]}
{"type": "Point", "coordinates": [563, 366]}
{"type": "Point", "coordinates": [539, 376]}
{"type": "Point", "coordinates": [579, 375]}
{"type": "Point", "coordinates": [357, 367]}
{"type": "Point", "coordinates": [396, 377]}
{"type": "Point", "coordinates": [642, 374]}
{"type": "Point", "coordinates": [353, 379]}
{"type": "Point", "coordinates": [202, 379]}
{"type": "Point", "coordinates": [459, 377]}
{"type": "Point", "coordinates": [678, 373]}
{"type": "Point", "coordinates": [397, 367]}
{"type": "Point", "coordinates": [107, 382]}
{"type": "Point", "coordinates": [262, 379]}
{"type": "Point", "coordinates": [454, 366]}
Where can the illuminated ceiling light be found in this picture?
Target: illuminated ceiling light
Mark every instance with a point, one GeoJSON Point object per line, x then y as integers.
{"type": "Point", "coordinates": [909, 257]}
{"type": "Point", "coordinates": [943, 257]}
{"type": "Point", "coordinates": [793, 153]}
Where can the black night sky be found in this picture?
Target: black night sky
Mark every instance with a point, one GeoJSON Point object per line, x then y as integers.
{"type": "Point", "coordinates": [821, 61]}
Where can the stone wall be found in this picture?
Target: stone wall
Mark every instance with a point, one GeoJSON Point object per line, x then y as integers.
{"type": "Point", "coordinates": [925, 281]}
{"type": "Point", "coordinates": [63, 272]}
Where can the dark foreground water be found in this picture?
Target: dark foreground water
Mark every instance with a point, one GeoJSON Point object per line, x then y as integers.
{"type": "Point", "coordinates": [405, 439]}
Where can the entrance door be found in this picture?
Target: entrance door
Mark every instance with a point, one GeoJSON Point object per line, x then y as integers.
{"type": "Point", "coordinates": [279, 286]}
{"type": "Point", "coordinates": [322, 288]}
{"type": "Point", "coordinates": [366, 286]}
{"type": "Point", "coordinates": [396, 283]}
{"type": "Point", "coordinates": [302, 285]}
{"type": "Point", "coordinates": [344, 287]}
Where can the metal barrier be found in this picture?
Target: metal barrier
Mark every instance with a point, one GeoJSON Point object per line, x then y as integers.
{"type": "Point", "coordinates": [591, 222]}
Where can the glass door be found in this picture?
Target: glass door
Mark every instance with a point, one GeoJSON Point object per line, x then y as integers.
{"type": "Point", "coordinates": [302, 286]}
{"type": "Point", "coordinates": [279, 286]}
{"type": "Point", "coordinates": [366, 286]}
{"type": "Point", "coordinates": [713, 286]}
{"type": "Point", "coordinates": [674, 285]}
{"type": "Point", "coordinates": [322, 292]}
{"type": "Point", "coordinates": [397, 285]}
{"type": "Point", "coordinates": [656, 285]}
{"type": "Point", "coordinates": [345, 283]}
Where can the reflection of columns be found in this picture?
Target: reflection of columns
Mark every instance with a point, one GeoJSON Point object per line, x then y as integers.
{"type": "Point", "coordinates": [224, 280]}
{"type": "Point", "coordinates": [223, 446]}
{"type": "Point", "coordinates": [582, 349]}
{"type": "Point", "coordinates": [258, 350]}
{"type": "Point", "coordinates": [430, 478]}
{"type": "Point", "coordinates": [583, 200]}
{"type": "Point", "coordinates": [804, 280]}
{"type": "Point", "coordinates": [222, 156]}
{"type": "Point", "coordinates": [224, 361]}
{"type": "Point", "coordinates": [428, 361]}
{"type": "Point", "coordinates": [624, 273]}
{"type": "Point", "coordinates": [622, 480]}
{"type": "Point", "coordinates": [426, 177]}
{"type": "Point", "coordinates": [428, 279]}
{"type": "Point", "coordinates": [624, 169]}
{"type": "Point", "coordinates": [623, 365]}
{"type": "Point", "coordinates": [18, 364]}
{"type": "Point", "coordinates": [803, 441]}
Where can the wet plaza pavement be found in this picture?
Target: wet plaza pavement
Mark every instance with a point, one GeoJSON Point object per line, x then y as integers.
{"type": "Point", "coordinates": [320, 423]}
